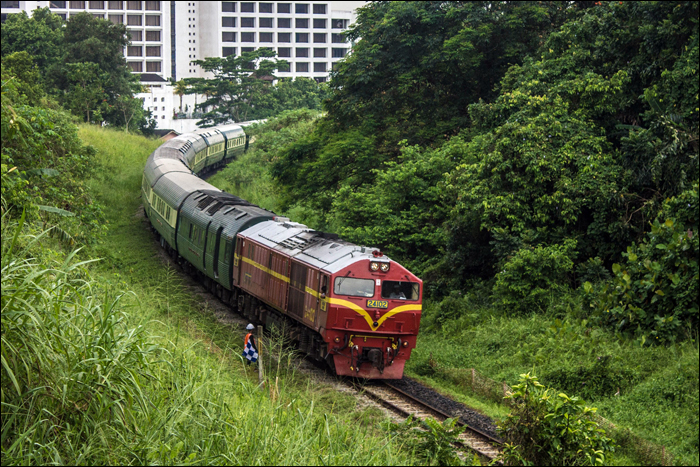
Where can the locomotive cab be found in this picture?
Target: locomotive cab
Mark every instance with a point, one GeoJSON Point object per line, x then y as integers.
{"type": "Point", "coordinates": [374, 316]}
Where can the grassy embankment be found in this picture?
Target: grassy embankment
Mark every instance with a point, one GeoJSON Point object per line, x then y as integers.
{"type": "Point", "coordinates": [123, 364]}
{"type": "Point", "coordinates": [649, 392]}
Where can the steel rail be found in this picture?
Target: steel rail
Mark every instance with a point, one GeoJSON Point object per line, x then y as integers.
{"type": "Point", "coordinates": [405, 405]}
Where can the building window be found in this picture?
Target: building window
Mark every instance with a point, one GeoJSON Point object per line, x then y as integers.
{"type": "Point", "coordinates": [302, 37]}
{"type": "Point", "coordinates": [319, 66]}
{"type": "Point", "coordinates": [152, 20]}
{"type": "Point", "coordinates": [136, 66]}
{"type": "Point", "coordinates": [284, 22]}
{"type": "Point", "coordinates": [301, 8]}
{"type": "Point", "coordinates": [265, 7]}
{"type": "Point", "coordinates": [339, 23]}
{"type": "Point", "coordinates": [51, 4]}
{"type": "Point", "coordinates": [284, 8]}
{"type": "Point", "coordinates": [302, 67]}
{"type": "Point", "coordinates": [228, 51]}
{"type": "Point", "coordinates": [320, 53]}
{"type": "Point", "coordinates": [247, 49]}
{"type": "Point", "coordinates": [153, 67]}
{"type": "Point", "coordinates": [319, 23]}
{"type": "Point", "coordinates": [117, 19]}
{"type": "Point", "coordinates": [134, 51]}
{"type": "Point", "coordinates": [228, 22]}
{"type": "Point", "coordinates": [283, 67]}
{"type": "Point", "coordinates": [136, 36]}
{"type": "Point", "coordinates": [133, 20]}
{"type": "Point", "coordinates": [284, 37]}
{"type": "Point", "coordinates": [153, 36]}
{"type": "Point", "coordinates": [265, 37]}
{"type": "Point", "coordinates": [63, 16]}
{"type": "Point", "coordinates": [228, 36]}
{"type": "Point", "coordinates": [77, 5]}
{"type": "Point", "coordinates": [337, 38]}
{"type": "Point", "coordinates": [319, 38]}
{"type": "Point", "coordinates": [98, 15]}
{"type": "Point", "coordinates": [96, 5]}
{"type": "Point", "coordinates": [301, 23]}
{"type": "Point", "coordinates": [247, 7]}
{"type": "Point", "coordinates": [302, 52]}
{"type": "Point", "coordinates": [339, 53]}
{"type": "Point", "coordinates": [247, 37]}
{"type": "Point", "coordinates": [115, 5]}
{"type": "Point", "coordinates": [228, 7]}
{"type": "Point", "coordinates": [320, 79]}
{"type": "Point", "coordinates": [247, 22]}
{"type": "Point", "coordinates": [320, 9]}
{"type": "Point", "coordinates": [284, 52]}
{"type": "Point", "coordinates": [265, 22]}
{"type": "Point", "coordinates": [133, 5]}
{"type": "Point", "coordinates": [153, 6]}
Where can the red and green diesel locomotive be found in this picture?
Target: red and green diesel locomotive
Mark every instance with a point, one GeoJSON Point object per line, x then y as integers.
{"type": "Point", "coordinates": [349, 305]}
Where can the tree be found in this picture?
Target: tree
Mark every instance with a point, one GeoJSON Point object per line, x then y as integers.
{"type": "Point", "coordinates": [129, 108]}
{"type": "Point", "coordinates": [95, 70]}
{"type": "Point", "coordinates": [85, 90]}
{"type": "Point", "coordinates": [240, 83]}
{"type": "Point", "coordinates": [180, 89]}
{"type": "Point", "coordinates": [300, 93]}
{"type": "Point", "coordinates": [41, 36]}
{"type": "Point", "coordinates": [416, 66]}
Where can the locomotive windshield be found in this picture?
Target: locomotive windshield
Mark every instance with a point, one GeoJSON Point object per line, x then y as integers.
{"type": "Point", "coordinates": [401, 290]}
{"type": "Point", "coordinates": [354, 287]}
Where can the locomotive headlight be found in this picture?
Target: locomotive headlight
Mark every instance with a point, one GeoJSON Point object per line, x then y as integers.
{"type": "Point", "coordinates": [405, 343]}
{"type": "Point", "coordinates": [385, 267]}
{"type": "Point", "coordinates": [374, 266]}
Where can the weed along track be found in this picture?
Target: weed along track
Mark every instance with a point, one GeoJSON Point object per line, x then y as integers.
{"type": "Point", "coordinates": [407, 397]}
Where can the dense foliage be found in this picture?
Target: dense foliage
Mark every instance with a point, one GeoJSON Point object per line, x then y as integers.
{"type": "Point", "coordinates": [45, 165]}
{"type": "Point", "coordinates": [526, 144]}
{"type": "Point", "coordinates": [80, 63]}
{"type": "Point", "coordinates": [545, 428]}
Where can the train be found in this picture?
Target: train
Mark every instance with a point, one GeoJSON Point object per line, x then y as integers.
{"type": "Point", "coordinates": [346, 304]}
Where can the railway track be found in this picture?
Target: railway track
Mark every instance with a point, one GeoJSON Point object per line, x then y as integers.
{"type": "Point", "coordinates": [405, 404]}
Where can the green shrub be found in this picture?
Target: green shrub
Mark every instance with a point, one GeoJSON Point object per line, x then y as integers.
{"type": "Point", "coordinates": [430, 440]}
{"type": "Point", "coordinates": [531, 276]}
{"type": "Point", "coordinates": [654, 293]}
{"type": "Point", "coordinates": [545, 428]}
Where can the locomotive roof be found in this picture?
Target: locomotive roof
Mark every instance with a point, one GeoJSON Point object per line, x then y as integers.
{"type": "Point", "coordinates": [318, 249]}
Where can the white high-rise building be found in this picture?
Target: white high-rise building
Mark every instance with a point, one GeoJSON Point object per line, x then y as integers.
{"type": "Point", "coordinates": [167, 37]}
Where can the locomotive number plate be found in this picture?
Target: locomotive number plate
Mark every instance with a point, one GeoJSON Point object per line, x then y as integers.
{"type": "Point", "coordinates": [377, 304]}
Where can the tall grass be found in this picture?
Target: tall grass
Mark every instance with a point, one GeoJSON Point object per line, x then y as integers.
{"type": "Point", "coordinates": [72, 369]}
